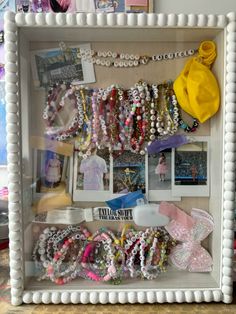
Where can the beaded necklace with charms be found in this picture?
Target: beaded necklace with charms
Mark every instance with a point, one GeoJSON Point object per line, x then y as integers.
{"type": "Point", "coordinates": [126, 60]}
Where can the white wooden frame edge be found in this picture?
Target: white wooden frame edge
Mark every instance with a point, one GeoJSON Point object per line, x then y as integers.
{"type": "Point", "coordinates": [12, 22]}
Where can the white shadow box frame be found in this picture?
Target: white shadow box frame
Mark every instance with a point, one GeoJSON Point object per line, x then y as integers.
{"type": "Point", "coordinates": [173, 286]}
{"type": "Point", "coordinates": [190, 190]}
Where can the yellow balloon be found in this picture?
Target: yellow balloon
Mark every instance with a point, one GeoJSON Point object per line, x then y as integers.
{"type": "Point", "coordinates": [196, 87]}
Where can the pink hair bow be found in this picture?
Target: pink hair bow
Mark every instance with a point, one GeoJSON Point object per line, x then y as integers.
{"type": "Point", "coordinates": [189, 254]}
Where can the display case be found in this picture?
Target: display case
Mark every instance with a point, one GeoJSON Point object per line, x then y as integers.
{"type": "Point", "coordinates": [33, 185]}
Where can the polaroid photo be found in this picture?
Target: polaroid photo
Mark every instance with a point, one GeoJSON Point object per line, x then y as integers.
{"type": "Point", "coordinates": [138, 6]}
{"type": "Point", "coordinates": [104, 6]}
{"type": "Point", "coordinates": [92, 176]}
{"type": "Point", "coordinates": [85, 5]}
{"type": "Point", "coordinates": [52, 166]}
{"type": "Point", "coordinates": [119, 5]}
{"type": "Point", "coordinates": [53, 65]}
{"type": "Point", "coordinates": [128, 173]}
{"type": "Point", "coordinates": [159, 175]}
{"type": "Point", "coordinates": [190, 168]}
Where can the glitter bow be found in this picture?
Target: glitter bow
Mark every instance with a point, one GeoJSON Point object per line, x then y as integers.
{"type": "Point", "coordinates": [189, 254]}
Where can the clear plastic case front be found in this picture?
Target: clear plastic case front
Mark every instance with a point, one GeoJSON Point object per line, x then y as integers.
{"type": "Point", "coordinates": [120, 180]}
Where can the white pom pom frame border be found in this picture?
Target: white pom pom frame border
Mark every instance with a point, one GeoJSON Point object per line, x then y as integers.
{"type": "Point", "coordinates": [12, 22]}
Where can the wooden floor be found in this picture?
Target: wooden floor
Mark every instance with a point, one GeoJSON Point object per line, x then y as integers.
{"type": "Point", "coordinates": [7, 308]}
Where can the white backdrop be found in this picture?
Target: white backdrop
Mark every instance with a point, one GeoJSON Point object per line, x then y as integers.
{"type": "Point", "coordinates": [195, 6]}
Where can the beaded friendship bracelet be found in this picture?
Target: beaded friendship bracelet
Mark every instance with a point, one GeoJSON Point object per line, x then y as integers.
{"type": "Point", "coordinates": [114, 118]}
{"type": "Point", "coordinates": [62, 255]}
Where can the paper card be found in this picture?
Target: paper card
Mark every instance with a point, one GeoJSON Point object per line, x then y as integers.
{"type": "Point", "coordinates": [142, 3]}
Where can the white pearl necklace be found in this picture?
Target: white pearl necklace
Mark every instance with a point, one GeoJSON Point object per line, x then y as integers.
{"type": "Point", "coordinates": [126, 60]}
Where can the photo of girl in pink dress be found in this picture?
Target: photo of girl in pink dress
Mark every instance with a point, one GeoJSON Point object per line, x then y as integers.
{"type": "Point", "coordinates": [53, 171]}
{"type": "Point", "coordinates": [161, 168]}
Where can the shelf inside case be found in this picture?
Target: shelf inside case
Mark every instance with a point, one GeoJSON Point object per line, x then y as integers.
{"type": "Point", "coordinates": [131, 40]}
{"type": "Point", "coordinates": [172, 279]}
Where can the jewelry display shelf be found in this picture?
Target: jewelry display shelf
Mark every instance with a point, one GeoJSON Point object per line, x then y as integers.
{"type": "Point", "coordinates": [134, 33]}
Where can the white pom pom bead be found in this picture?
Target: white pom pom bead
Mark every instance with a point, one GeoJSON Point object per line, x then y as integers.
{"type": "Point", "coordinates": [103, 297]}
{"type": "Point", "coordinates": [132, 19]}
{"type": "Point", "coordinates": [198, 296]}
{"type": "Point", "coordinates": [228, 205]}
{"type": "Point", "coordinates": [111, 19]}
{"type": "Point", "coordinates": [151, 297]}
{"type": "Point", "coordinates": [222, 21]}
{"type": "Point", "coordinates": [10, 57]}
{"type": "Point", "coordinates": [65, 297]}
{"type": "Point", "coordinates": [28, 297]}
{"type": "Point", "coordinates": [170, 297]}
{"type": "Point", "coordinates": [141, 296]}
{"type": "Point", "coordinates": [93, 297]}
{"type": "Point", "coordinates": [91, 19]}
{"type": "Point", "coordinates": [9, 15]}
{"type": "Point", "coordinates": [227, 262]}
{"type": "Point", "coordinates": [101, 19]}
{"type": "Point", "coordinates": [162, 19]}
{"type": "Point", "coordinates": [202, 20]}
{"type": "Point", "coordinates": [152, 19]}
{"type": "Point", "coordinates": [188, 296]}
{"type": "Point", "coordinates": [231, 27]}
{"type": "Point", "coordinates": [132, 297]}
{"type": "Point", "coordinates": [227, 271]}
{"type": "Point", "coordinates": [227, 243]}
{"type": "Point", "coordinates": [227, 298]}
{"type": "Point", "coordinates": [121, 19]}
{"type": "Point", "coordinates": [16, 301]}
{"type": "Point", "coordinates": [142, 19]}
{"type": "Point", "coordinates": [40, 19]}
{"type": "Point", "coordinates": [56, 297]}
{"type": "Point", "coordinates": [212, 20]}
{"type": "Point", "coordinates": [228, 234]}
{"type": "Point", "coordinates": [113, 297]}
{"type": "Point", "coordinates": [231, 16]}
{"type": "Point", "coordinates": [230, 156]}
{"type": "Point", "coordinates": [50, 19]}
{"type": "Point", "coordinates": [84, 297]}
{"type": "Point", "coordinates": [122, 297]}
{"type": "Point", "coordinates": [46, 297]}
{"type": "Point", "coordinates": [208, 296]}
{"type": "Point", "coordinates": [160, 296]}
{"type": "Point", "coordinates": [10, 26]}
{"type": "Point", "coordinates": [182, 20]}
{"type": "Point", "coordinates": [228, 224]}
{"type": "Point", "coordinates": [30, 19]}
{"type": "Point", "coordinates": [192, 20]}
{"type": "Point", "coordinates": [20, 19]}
{"type": "Point", "coordinates": [227, 289]}
{"type": "Point", "coordinates": [61, 19]}
{"type": "Point", "coordinates": [75, 297]}
{"type": "Point", "coordinates": [71, 19]}
{"type": "Point", "coordinates": [37, 297]}
{"type": "Point", "coordinates": [231, 47]}
{"type": "Point", "coordinates": [179, 296]}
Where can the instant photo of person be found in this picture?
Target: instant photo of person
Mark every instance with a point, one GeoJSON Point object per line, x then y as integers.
{"type": "Point", "coordinates": [159, 171]}
{"type": "Point", "coordinates": [191, 164]}
{"type": "Point", "coordinates": [94, 171]}
{"type": "Point", "coordinates": [128, 173]}
{"type": "Point", "coordinates": [49, 171]}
